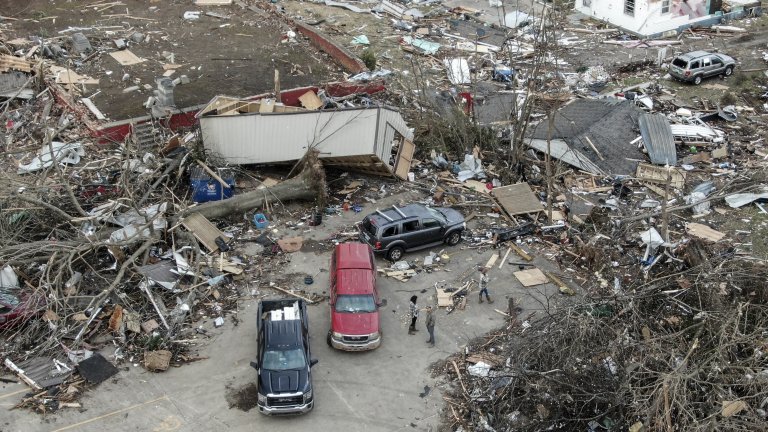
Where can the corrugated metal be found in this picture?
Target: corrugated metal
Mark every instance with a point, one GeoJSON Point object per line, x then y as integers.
{"type": "Point", "coordinates": [565, 153]}
{"type": "Point", "coordinates": [658, 139]}
{"type": "Point", "coordinates": [693, 132]}
{"type": "Point", "coordinates": [283, 137]}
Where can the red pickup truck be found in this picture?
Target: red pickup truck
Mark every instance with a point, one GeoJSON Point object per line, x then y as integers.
{"type": "Point", "coordinates": [354, 300]}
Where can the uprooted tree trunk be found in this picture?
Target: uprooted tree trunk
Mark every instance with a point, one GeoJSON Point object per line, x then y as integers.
{"type": "Point", "coordinates": [309, 184]}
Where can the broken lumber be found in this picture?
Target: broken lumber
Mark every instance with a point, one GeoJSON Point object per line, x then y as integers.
{"type": "Point", "coordinates": [290, 293]}
{"type": "Point", "coordinates": [518, 250]}
{"type": "Point", "coordinates": [565, 289]}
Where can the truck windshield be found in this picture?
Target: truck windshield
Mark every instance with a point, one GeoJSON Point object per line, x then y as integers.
{"type": "Point", "coordinates": [355, 303]}
{"type": "Point", "coordinates": [436, 214]}
{"type": "Point", "coordinates": [284, 360]}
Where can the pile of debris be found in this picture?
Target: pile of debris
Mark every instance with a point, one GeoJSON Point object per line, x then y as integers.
{"type": "Point", "coordinates": [686, 350]}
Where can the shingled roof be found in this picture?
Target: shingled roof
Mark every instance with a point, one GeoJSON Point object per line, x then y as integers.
{"type": "Point", "coordinates": [610, 124]}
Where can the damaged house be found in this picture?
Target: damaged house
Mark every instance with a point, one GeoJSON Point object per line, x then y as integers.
{"type": "Point", "coordinates": [653, 18]}
{"type": "Point", "coordinates": [594, 135]}
{"type": "Point", "coordinates": [373, 140]}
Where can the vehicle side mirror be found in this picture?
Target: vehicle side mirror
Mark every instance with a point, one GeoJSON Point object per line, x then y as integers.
{"type": "Point", "coordinates": [382, 303]}
{"type": "Point", "coordinates": [255, 365]}
{"type": "Point", "coordinates": [313, 362]}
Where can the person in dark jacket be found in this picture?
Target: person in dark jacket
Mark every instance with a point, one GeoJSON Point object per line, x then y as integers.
{"type": "Point", "coordinates": [414, 313]}
{"type": "Point", "coordinates": [430, 321]}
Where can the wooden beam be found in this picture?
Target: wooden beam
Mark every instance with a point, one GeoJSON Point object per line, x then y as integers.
{"type": "Point", "coordinates": [213, 174]}
{"type": "Point", "coordinates": [290, 293]}
{"type": "Point", "coordinates": [520, 252]}
{"type": "Point", "coordinates": [509, 249]}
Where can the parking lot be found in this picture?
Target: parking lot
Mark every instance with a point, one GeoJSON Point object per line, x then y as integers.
{"type": "Point", "coordinates": [382, 390]}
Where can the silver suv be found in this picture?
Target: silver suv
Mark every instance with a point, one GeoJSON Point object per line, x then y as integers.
{"type": "Point", "coordinates": [697, 65]}
{"type": "Point", "coordinates": [397, 230]}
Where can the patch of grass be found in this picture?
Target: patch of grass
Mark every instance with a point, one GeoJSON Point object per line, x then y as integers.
{"type": "Point", "coordinates": [630, 81]}
{"type": "Point", "coordinates": [744, 79]}
{"type": "Point", "coordinates": [369, 58]}
{"type": "Point", "coordinates": [747, 218]}
{"type": "Point", "coordinates": [745, 38]}
{"type": "Point", "coordinates": [728, 99]}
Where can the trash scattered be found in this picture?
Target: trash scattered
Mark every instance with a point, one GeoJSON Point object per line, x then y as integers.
{"type": "Point", "coordinates": [141, 211]}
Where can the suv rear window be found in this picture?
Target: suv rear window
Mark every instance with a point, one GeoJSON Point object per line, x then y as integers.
{"type": "Point", "coordinates": [680, 63]}
{"type": "Point", "coordinates": [369, 227]}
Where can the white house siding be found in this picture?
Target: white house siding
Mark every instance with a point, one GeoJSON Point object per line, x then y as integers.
{"type": "Point", "coordinates": [647, 19]}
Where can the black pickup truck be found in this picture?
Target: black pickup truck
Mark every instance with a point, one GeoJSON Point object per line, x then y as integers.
{"type": "Point", "coordinates": [283, 360]}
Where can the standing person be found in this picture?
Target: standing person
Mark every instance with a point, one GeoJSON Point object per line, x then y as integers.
{"type": "Point", "coordinates": [414, 313]}
{"type": "Point", "coordinates": [484, 284]}
{"type": "Point", "coordinates": [431, 326]}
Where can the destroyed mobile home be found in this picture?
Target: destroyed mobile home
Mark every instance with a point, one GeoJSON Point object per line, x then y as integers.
{"type": "Point", "coordinates": [127, 244]}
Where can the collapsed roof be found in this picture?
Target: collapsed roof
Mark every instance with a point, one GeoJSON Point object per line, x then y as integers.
{"type": "Point", "coordinates": [594, 135]}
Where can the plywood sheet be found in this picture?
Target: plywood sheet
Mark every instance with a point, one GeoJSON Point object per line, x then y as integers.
{"type": "Point", "coordinates": [703, 232]}
{"type": "Point", "coordinates": [291, 244]}
{"type": "Point", "coordinates": [126, 57]}
{"type": "Point", "coordinates": [531, 277]}
{"type": "Point", "coordinates": [204, 230]}
{"type": "Point", "coordinates": [476, 186]}
{"type": "Point", "coordinates": [404, 159]}
{"type": "Point", "coordinates": [517, 199]}
{"type": "Point", "coordinates": [309, 100]}
{"type": "Point", "coordinates": [68, 76]}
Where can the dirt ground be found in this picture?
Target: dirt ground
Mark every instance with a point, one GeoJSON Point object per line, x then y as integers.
{"type": "Point", "coordinates": [236, 55]}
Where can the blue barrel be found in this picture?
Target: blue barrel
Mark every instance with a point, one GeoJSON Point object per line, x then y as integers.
{"type": "Point", "coordinates": [205, 188]}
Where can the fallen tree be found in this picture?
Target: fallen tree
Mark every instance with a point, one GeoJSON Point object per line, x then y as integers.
{"type": "Point", "coordinates": [308, 185]}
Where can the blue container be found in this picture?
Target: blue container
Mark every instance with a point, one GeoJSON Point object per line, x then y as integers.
{"type": "Point", "coordinates": [205, 188]}
{"type": "Point", "coordinates": [260, 221]}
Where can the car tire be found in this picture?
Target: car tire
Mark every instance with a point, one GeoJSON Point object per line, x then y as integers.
{"type": "Point", "coordinates": [697, 80]}
{"type": "Point", "coordinates": [328, 339]}
{"type": "Point", "coordinates": [395, 254]}
{"type": "Point", "coordinates": [453, 238]}
{"type": "Point", "coordinates": [728, 71]}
